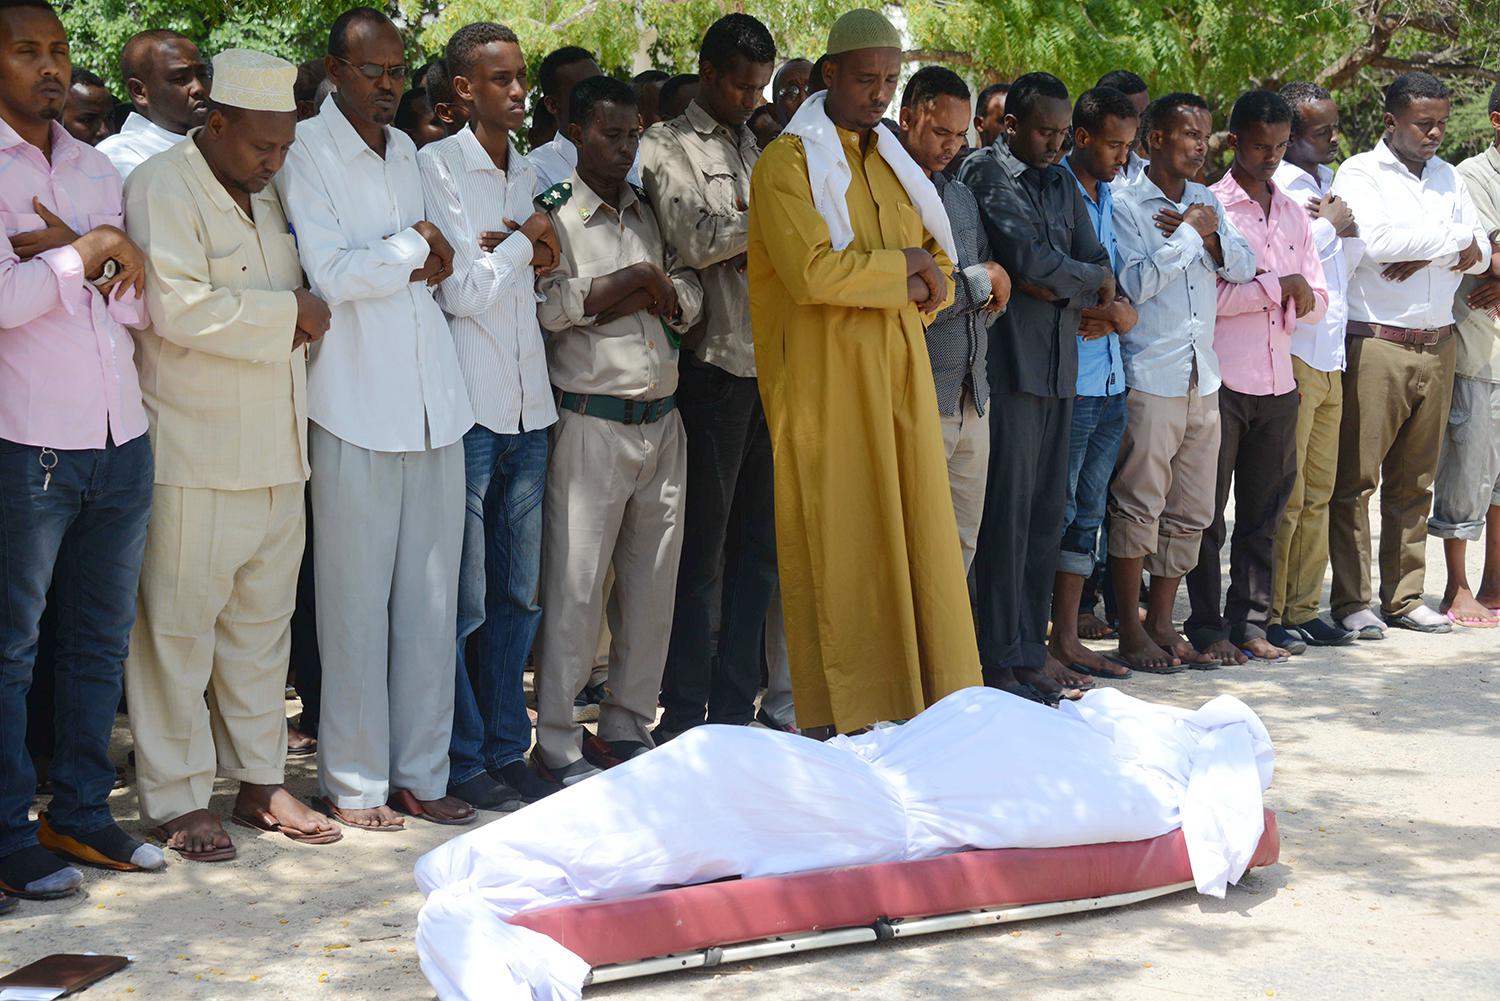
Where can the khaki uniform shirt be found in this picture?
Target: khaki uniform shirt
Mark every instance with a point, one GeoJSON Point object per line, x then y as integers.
{"type": "Point", "coordinates": [631, 357]}
{"type": "Point", "coordinates": [1478, 331]}
{"type": "Point", "coordinates": [697, 177]}
{"type": "Point", "coordinates": [225, 392]}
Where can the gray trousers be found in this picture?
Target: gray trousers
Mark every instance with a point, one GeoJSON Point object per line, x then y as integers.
{"type": "Point", "coordinates": [614, 494]}
{"type": "Point", "coordinates": [385, 558]}
{"type": "Point", "coordinates": [1468, 469]}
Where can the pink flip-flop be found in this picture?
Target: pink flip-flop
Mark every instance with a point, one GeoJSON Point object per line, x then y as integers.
{"type": "Point", "coordinates": [1459, 620]}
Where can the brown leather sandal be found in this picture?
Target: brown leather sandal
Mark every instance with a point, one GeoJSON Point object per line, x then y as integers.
{"type": "Point", "coordinates": [405, 801]}
{"type": "Point", "coordinates": [326, 806]}
{"type": "Point", "coordinates": [264, 820]}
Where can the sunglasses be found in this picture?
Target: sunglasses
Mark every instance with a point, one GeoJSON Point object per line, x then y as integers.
{"type": "Point", "coordinates": [374, 71]}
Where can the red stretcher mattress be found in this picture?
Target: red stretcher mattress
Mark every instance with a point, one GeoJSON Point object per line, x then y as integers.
{"type": "Point", "coordinates": [692, 918]}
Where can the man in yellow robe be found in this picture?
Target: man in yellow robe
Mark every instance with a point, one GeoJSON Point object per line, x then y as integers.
{"type": "Point", "coordinates": [850, 255]}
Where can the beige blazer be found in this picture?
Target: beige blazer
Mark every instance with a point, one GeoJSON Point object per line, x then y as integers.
{"type": "Point", "coordinates": [225, 393]}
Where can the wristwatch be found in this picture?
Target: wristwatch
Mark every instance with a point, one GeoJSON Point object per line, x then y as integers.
{"type": "Point", "coordinates": [106, 273]}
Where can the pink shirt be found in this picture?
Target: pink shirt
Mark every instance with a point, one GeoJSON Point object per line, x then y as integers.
{"type": "Point", "coordinates": [67, 369]}
{"type": "Point", "coordinates": [1253, 332]}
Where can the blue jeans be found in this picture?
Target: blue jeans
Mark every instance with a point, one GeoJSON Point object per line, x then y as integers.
{"type": "Point", "coordinates": [84, 534]}
{"type": "Point", "coordinates": [1093, 447]}
{"type": "Point", "coordinates": [505, 477]}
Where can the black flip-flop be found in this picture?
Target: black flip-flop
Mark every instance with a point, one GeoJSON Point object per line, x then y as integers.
{"type": "Point", "coordinates": [1081, 669]}
{"type": "Point", "coordinates": [1141, 668]}
{"type": "Point", "coordinates": [1030, 693]}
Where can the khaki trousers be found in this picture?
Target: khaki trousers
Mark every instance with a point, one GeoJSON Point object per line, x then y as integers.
{"type": "Point", "coordinates": [1162, 496]}
{"type": "Point", "coordinates": [614, 494]}
{"type": "Point", "coordinates": [1302, 539]}
{"type": "Point", "coordinates": [1396, 399]}
{"type": "Point", "coordinates": [966, 443]}
{"type": "Point", "coordinates": [206, 673]}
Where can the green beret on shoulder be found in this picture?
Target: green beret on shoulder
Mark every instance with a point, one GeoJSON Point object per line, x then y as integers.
{"type": "Point", "coordinates": [555, 196]}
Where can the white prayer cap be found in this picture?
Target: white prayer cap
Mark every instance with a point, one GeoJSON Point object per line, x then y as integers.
{"type": "Point", "coordinates": [255, 81]}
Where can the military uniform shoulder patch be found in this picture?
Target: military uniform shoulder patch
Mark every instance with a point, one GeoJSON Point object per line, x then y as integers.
{"type": "Point", "coordinates": [555, 196]}
{"type": "Point", "coordinates": [640, 192]}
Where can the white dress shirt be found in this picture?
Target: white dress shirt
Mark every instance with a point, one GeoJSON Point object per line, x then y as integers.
{"type": "Point", "coordinates": [386, 376]}
{"type": "Point", "coordinates": [491, 297]}
{"type": "Point", "coordinates": [1403, 217]}
{"type": "Point", "coordinates": [138, 140]}
{"type": "Point", "coordinates": [1321, 344]}
{"type": "Point", "coordinates": [556, 160]}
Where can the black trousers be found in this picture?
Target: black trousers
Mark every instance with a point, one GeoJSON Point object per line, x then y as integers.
{"type": "Point", "coordinates": [728, 569]}
{"type": "Point", "coordinates": [307, 667]}
{"type": "Point", "coordinates": [1258, 457]}
{"type": "Point", "coordinates": [1019, 535]}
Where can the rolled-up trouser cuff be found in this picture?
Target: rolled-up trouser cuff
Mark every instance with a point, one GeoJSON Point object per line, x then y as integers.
{"type": "Point", "coordinates": [1469, 531]}
{"type": "Point", "coordinates": [1078, 564]}
{"type": "Point", "coordinates": [1130, 540]}
{"type": "Point", "coordinates": [1174, 557]}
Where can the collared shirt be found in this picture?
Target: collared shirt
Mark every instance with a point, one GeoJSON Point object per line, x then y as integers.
{"type": "Point", "coordinates": [554, 161]}
{"type": "Point", "coordinates": [1135, 166]}
{"type": "Point", "coordinates": [1321, 344]}
{"type": "Point", "coordinates": [1478, 331]}
{"type": "Point", "coordinates": [1403, 217]}
{"type": "Point", "coordinates": [957, 337]}
{"type": "Point", "coordinates": [226, 392]}
{"type": "Point", "coordinates": [138, 140]}
{"type": "Point", "coordinates": [1100, 371]}
{"type": "Point", "coordinates": [67, 374]}
{"type": "Point", "coordinates": [490, 298]}
{"type": "Point", "coordinates": [1040, 233]}
{"type": "Point", "coordinates": [630, 357]}
{"type": "Point", "coordinates": [1252, 335]}
{"type": "Point", "coordinates": [1172, 283]}
{"type": "Point", "coordinates": [697, 176]}
{"type": "Point", "coordinates": [386, 376]}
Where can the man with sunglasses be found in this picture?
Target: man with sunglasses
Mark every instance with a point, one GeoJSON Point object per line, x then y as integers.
{"type": "Point", "coordinates": [167, 81]}
{"type": "Point", "coordinates": [388, 411]}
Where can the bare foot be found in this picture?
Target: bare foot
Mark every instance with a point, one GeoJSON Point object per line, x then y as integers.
{"type": "Point", "coordinates": [1467, 609]}
{"type": "Point", "coordinates": [1147, 656]}
{"type": "Point", "coordinates": [196, 832]}
{"type": "Point", "coordinates": [1176, 644]}
{"type": "Point", "coordinates": [288, 810]}
{"type": "Point", "coordinates": [447, 808]}
{"type": "Point", "coordinates": [298, 742]}
{"type": "Point", "coordinates": [1070, 651]}
{"type": "Point", "coordinates": [1091, 627]}
{"type": "Point", "coordinates": [372, 817]}
{"type": "Point", "coordinates": [1263, 649]}
{"type": "Point", "coordinates": [1225, 652]}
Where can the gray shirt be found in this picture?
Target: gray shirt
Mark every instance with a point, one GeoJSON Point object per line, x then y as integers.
{"type": "Point", "coordinates": [956, 337]}
{"type": "Point", "coordinates": [1040, 232]}
{"type": "Point", "coordinates": [1171, 281]}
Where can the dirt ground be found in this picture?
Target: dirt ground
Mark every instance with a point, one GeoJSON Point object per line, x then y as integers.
{"type": "Point", "coordinates": [1387, 787]}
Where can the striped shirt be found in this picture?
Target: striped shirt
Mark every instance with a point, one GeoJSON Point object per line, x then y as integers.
{"type": "Point", "coordinates": [957, 337]}
{"type": "Point", "coordinates": [490, 299]}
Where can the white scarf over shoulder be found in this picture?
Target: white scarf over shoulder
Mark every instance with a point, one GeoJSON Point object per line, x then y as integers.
{"type": "Point", "coordinates": [829, 175]}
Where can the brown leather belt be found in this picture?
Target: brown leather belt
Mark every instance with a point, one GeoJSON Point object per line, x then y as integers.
{"type": "Point", "coordinates": [1400, 335]}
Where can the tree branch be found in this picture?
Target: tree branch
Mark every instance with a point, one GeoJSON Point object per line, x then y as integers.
{"type": "Point", "coordinates": [940, 56]}
{"type": "Point", "coordinates": [1437, 67]}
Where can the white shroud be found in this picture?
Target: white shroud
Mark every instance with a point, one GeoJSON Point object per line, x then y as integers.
{"type": "Point", "coordinates": [981, 769]}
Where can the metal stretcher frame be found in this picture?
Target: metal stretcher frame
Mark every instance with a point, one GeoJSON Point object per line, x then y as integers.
{"type": "Point", "coordinates": [737, 920]}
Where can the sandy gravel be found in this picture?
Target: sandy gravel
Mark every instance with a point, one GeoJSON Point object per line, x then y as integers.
{"type": "Point", "coordinates": [1387, 786]}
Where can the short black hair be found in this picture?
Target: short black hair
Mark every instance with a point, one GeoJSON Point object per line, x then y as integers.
{"type": "Point", "coordinates": [1159, 112]}
{"type": "Point", "coordinates": [1495, 99]}
{"type": "Point", "coordinates": [736, 35]}
{"type": "Point", "coordinates": [1300, 92]}
{"type": "Point", "coordinates": [309, 75]}
{"type": "Point", "coordinates": [1030, 90]}
{"type": "Point", "coordinates": [1095, 105]}
{"type": "Point", "coordinates": [594, 91]}
{"type": "Point", "coordinates": [988, 94]}
{"type": "Point", "coordinates": [1265, 107]}
{"type": "Point", "coordinates": [406, 111]}
{"type": "Point", "coordinates": [646, 78]}
{"type": "Point", "coordinates": [672, 86]}
{"type": "Point", "coordinates": [931, 82]}
{"type": "Point", "coordinates": [763, 110]}
{"type": "Point", "coordinates": [464, 45]}
{"type": "Point", "coordinates": [546, 74]}
{"type": "Point", "coordinates": [1124, 81]}
{"type": "Point", "coordinates": [338, 34]}
{"type": "Point", "coordinates": [1415, 86]}
{"type": "Point", "coordinates": [439, 84]}
{"type": "Point", "coordinates": [85, 78]}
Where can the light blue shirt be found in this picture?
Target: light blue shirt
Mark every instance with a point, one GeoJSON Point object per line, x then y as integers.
{"type": "Point", "coordinates": [1100, 372]}
{"type": "Point", "coordinates": [1171, 282]}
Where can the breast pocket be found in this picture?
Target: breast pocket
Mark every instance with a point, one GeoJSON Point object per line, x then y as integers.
{"type": "Point", "coordinates": [114, 219]}
{"type": "Point", "coordinates": [597, 267]}
{"type": "Point", "coordinates": [229, 270]}
{"type": "Point", "coordinates": [720, 194]}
